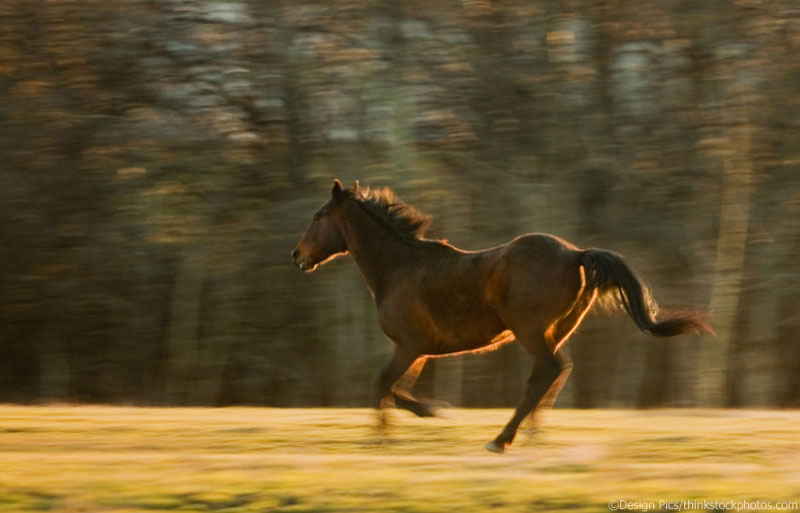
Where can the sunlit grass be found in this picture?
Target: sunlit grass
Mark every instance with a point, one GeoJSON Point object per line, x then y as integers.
{"type": "Point", "coordinates": [89, 458]}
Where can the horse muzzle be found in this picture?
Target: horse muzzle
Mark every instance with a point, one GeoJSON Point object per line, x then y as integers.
{"type": "Point", "coordinates": [298, 261]}
{"type": "Point", "coordinates": [302, 262]}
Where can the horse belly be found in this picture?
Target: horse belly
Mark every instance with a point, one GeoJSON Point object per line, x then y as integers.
{"type": "Point", "coordinates": [441, 313]}
{"type": "Point", "coordinates": [469, 334]}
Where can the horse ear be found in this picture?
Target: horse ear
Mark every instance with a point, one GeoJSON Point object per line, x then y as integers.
{"type": "Point", "coordinates": [336, 192]}
{"type": "Point", "coordinates": [355, 187]}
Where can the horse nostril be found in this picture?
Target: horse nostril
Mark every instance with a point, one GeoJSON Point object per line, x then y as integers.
{"type": "Point", "coordinates": [294, 254]}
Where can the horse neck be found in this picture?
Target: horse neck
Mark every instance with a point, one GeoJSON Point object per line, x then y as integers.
{"type": "Point", "coordinates": [376, 250]}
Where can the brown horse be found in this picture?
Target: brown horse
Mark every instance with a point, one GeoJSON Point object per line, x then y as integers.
{"type": "Point", "coordinates": [434, 299]}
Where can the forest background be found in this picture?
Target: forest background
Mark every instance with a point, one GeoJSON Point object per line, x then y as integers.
{"type": "Point", "coordinates": [161, 158]}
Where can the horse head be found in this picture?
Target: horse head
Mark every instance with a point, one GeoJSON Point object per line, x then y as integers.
{"type": "Point", "coordinates": [323, 239]}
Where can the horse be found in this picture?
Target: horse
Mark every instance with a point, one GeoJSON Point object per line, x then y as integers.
{"type": "Point", "coordinates": [434, 299]}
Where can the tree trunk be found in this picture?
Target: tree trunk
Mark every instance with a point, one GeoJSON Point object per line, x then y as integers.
{"type": "Point", "coordinates": [182, 333]}
{"type": "Point", "coordinates": [737, 171]}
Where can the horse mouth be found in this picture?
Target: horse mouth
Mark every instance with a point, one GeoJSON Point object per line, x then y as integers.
{"type": "Point", "coordinates": [305, 266]}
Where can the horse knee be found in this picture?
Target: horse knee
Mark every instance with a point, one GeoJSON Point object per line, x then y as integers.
{"type": "Point", "coordinates": [553, 373]}
{"type": "Point", "coordinates": [390, 373]}
{"type": "Point", "coordinates": [383, 399]}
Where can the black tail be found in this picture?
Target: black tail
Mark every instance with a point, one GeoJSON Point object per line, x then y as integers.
{"type": "Point", "coordinates": [610, 275]}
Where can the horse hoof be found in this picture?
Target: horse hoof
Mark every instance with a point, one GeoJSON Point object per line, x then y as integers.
{"type": "Point", "coordinates": [495, 447]}
{"type": "Point", "coordinates": [427, 411]}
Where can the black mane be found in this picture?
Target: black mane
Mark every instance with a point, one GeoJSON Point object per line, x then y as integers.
{"type": "Point", "coordinates": [383, 205]}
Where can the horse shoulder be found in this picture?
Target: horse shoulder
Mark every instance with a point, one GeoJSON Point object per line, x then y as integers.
{"type": "Point", "coordinates": [395, 303]}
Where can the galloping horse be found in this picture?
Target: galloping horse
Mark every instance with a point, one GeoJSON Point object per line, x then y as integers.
{"type": "Point", "coordinates": [434, 299]}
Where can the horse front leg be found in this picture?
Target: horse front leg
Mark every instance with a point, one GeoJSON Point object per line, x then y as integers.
{"type": "Point", "coordinates": [401, 362]}
{"type": "Point", "coordinates": [401, 391]}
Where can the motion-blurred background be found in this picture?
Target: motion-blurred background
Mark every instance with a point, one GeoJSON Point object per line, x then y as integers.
{"type": "Point", "coordinates": [159, 159]}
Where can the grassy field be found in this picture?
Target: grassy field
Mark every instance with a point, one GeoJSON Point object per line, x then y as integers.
{"type": "Point", "coordinates": [88, 459]}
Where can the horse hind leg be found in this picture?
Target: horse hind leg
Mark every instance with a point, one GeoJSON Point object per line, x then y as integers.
{"type": "Point", "coordinates": [564, 328]}
{"type": "Point", "coordinates": [550, 368]}
{"type": "Point", "coordinates": [550, 397]}
{"type": "Point", "coordinates": [545, 370]}
{"type": "Point", "coordinates": [557, 337]}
